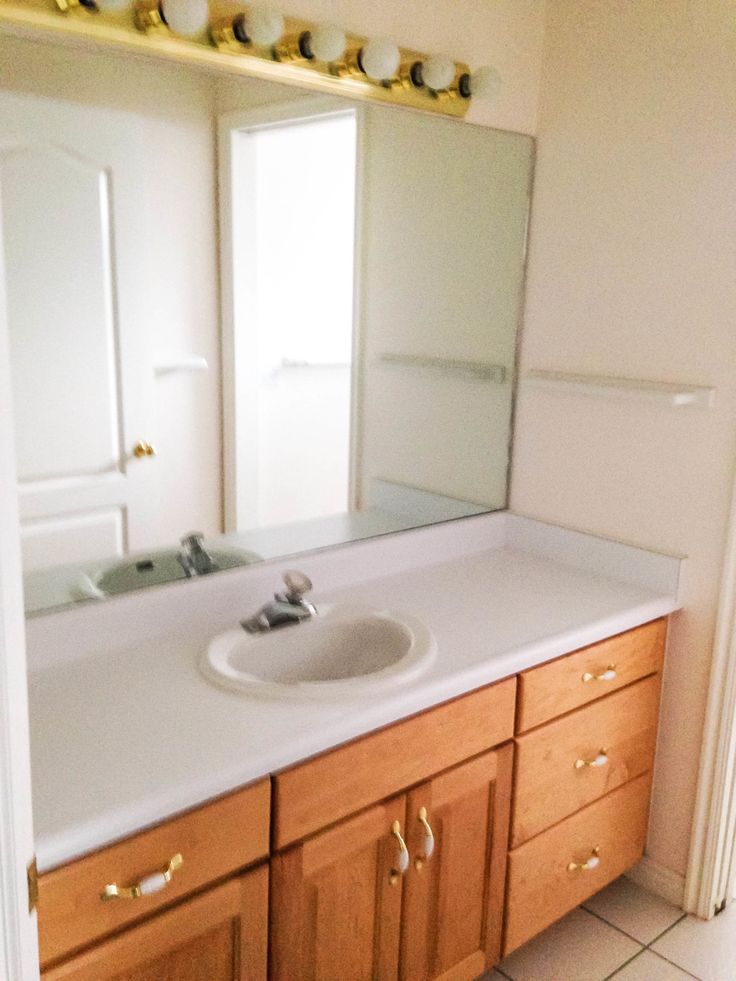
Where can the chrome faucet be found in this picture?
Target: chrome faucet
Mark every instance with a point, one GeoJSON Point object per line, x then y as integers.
{"type": "Point", "coordinates": [285, 608]}
{"type": "Point", "coordinates": [195, 559]}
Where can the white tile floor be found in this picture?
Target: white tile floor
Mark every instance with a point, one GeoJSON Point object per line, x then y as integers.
{"type": "Point", "coordinates": [630, 935]}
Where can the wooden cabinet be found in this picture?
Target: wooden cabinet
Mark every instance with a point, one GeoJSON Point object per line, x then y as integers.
{"type": "Point", "coordinates": [453, 901]}
{"type": "Point", "coordinates": [365, 900]}
{"type": "Point", "coordinates": [389, 854]}
{"type": "Point", "coordinates": [585, 752]}
{"type": "Point", "coordinates": [213, 841]}
{"type": "Point", "coordinates": [220, 935]}
{"type": "Point", "coordinates": [336, 901]}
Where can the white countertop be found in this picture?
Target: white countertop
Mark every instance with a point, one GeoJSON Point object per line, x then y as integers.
{"type": "Point", "coordinates": [124, 738]}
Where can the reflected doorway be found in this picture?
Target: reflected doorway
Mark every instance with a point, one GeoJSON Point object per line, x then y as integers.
{"type": "Point", "coordinates": [293, 188]}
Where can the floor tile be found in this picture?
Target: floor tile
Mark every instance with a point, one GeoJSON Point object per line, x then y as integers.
{"type": "Point", "coordinates": [627, 906]}
{"type": "Point", "coordinates": [650, 967]}
{"type": "Point", "coordinates": [706, 949]}
{"type": "Point", "coordinates": [578, 948]}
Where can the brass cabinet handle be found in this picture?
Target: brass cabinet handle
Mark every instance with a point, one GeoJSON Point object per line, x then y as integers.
{"type": "Point", "coordinates": [403, 862]}
{"type": "Point", "coordinates": [592, 863]}
{"type": "Point", "coordinates": [428, 839]}
{"type": "Point", "coordinates": [608, 675]}
{"type": "Point", "coordinates": [147, 886]}
{"type": "Point", "coordinates": [143, 449]}
{"type": "Point", "coordinates": [598, 761]}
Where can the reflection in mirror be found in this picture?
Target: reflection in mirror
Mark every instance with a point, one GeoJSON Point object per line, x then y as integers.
{"type": "Point", "coordinates": [282, 320]}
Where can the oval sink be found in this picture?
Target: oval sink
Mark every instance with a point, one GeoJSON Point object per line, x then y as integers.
{"type": "Point", "coordinates": [151, 569]}
{"type": "Point", "coordinates": [343, 650]}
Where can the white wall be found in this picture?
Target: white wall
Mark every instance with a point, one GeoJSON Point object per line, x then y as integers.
{"type": "Point", "coordinates": [631, 273]}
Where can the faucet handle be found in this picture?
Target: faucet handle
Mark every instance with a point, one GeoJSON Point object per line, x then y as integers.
{"type": "Point", "coordinates": [297, 584]}
{"type": "Point", "coordinates": [192, 539]}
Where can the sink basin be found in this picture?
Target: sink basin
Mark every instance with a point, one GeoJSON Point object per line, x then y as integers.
{"type": "Point", "coordinates": [151, 569]}
{"type": "Point", "coordinates": [344, 650]}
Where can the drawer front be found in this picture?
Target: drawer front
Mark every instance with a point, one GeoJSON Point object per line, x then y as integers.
{"type": "Point", "coordinates": [542, 885]}
{"type": "Point", "coordinates": [213, 840]}
{"type": "Point", "coordinates": [323, 790]}
{"type": "Point", "coordinates": [576, 679]}
{"type": "Point", "coordinates": [567, 764]}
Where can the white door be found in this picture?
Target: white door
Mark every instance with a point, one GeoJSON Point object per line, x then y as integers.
{"type": "Point", "coordinates": [18, 939]}
{"type": "Point", "coordinates": [81, 396]}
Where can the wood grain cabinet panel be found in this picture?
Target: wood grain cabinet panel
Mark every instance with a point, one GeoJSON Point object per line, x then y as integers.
{"type": "Point", "coordinates": [554, 776]}
{"type": "Point", "coordinates": [541, 885]}
{"type": "Point", "coordinates": [576, 679]}
{"type": "Point", "coordinates": [453, 901]}
{"type": "Point", "coordinates": [220, 935]}
{"type": "Point", "coordinates": [314, 794]}
{"type": "Point", "coordinates": [336, 902]}
{"type": "Point", "coordinates": [214, 841]}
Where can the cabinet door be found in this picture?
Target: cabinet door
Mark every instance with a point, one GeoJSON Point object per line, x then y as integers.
{"type": "Point", "coordinates": [336, 901]}
{"type": "Point", "coordinates": [221, 935]}
{"type": "Point", "coordinates": [453, 899]}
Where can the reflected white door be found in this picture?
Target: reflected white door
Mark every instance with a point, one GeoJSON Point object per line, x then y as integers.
{"type": "Point", "coordinates": [81, 489]}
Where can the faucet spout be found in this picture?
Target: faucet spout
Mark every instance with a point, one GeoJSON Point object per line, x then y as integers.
{"type": "Point", "coordinates": [285, 608]}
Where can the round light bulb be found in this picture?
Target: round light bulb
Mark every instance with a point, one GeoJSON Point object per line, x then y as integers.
{"type": "Point", "coordinates": [328, 42]}
{"type": "Point", "coordinates": [112, 6]}
{"type": "Point", "coordinates": [438, 72]}
{"type": "Point", "coordinates": [263, 24]}
{"type": "Point", "coordinates": [380, 58]}
{"type": "Point", "coordinates": [186, 17]}
{"type": "Point", "coordinates": [485, 83]}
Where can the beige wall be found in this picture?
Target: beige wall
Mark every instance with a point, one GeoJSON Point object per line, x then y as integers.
{"type": "Point", "coordinates": [632, 273]}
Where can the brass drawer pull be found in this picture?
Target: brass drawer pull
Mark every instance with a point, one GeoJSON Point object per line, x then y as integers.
{"type": "Point", "coordinates": [428, 839]}
{"type": "Point", "coordinates": [600, 760]}
{"type": "Point", "coordinates": [608, 675]}
{"type": "Point", "coordinates": [592, 863]}
{"type": "Point", "coordinates": [403, 863]}
{"type": "Point", "coordinates": [147, 886]}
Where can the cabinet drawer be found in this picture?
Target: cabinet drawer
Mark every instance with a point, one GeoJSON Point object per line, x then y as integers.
{"type": "Point", "coordinates": [541, 885]}
{"type": "Point", "coordinates": [553, 775]}
{"type": "Point", "coordinates": [575, 679]}
{"type": "Point", "coordinates": [213, 840]}
{"type": "Point", "coordinates": [323, 790]}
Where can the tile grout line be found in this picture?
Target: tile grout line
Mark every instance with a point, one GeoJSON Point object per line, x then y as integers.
{"type": "Point", "coordinates": [614, 927]}
{"type": "Point", "coordinates": [625, 963]}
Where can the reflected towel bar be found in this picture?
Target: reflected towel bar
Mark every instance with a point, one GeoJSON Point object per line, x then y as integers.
{"type": "Point", "coordinates": [479, 370]}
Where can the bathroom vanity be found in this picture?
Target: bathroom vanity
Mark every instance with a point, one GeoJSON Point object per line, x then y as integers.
{"type": "Point", "coordinates": [422, 835]}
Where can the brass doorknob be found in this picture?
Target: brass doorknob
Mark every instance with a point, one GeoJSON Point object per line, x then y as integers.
{"type": "Point", "coordinates": [143, 448]}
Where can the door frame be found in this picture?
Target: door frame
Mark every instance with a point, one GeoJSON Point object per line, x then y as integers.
{"type": "Point", "coordinates": [18, 928]}
{"type": "Point", "coordinates": [711, 873]}
{"type": "Point", "coordinates": [237, 381]}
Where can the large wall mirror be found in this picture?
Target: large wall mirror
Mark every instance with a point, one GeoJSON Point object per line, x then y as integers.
{"type": "Point", "coordinates": [281, 320]}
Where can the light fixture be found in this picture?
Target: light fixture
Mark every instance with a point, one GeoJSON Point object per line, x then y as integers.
{"type": "Point", "coordinates": [379, 59]}
{"type": "Point", "coordinates": [484, 83]}
{"type": "Point", "coordinates": [188, 18]}
{"type": "Point", "coordinates": [437, 72]}
{"type": "Point", "coordinates": [325, 42]}
{"type": "Point", "coordinates": [263, 25]}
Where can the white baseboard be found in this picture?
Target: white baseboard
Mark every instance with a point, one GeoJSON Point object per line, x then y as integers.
{"type": "Point", "coordinates": [652, 876]}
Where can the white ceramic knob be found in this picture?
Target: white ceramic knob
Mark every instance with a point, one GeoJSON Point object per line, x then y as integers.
{"type": "Point", "coordinates": [380, 58]}
{"type": "Point", "coordinates": [264, 25]}
{"type": "Point", "coordinates": [186, 17]}
{"type": "Point", "coordinates": [112, 6]}
{"type": "Point", "coordinates": [438, 72]}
